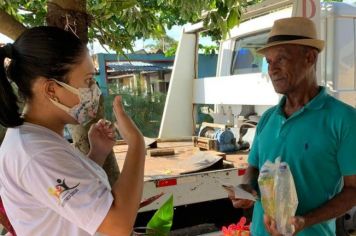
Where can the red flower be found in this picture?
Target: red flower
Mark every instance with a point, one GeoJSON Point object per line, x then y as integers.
{"type": "Point", "coordinates": [240, 229]}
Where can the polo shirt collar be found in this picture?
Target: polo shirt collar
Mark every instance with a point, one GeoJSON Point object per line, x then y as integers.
{"type": "Point", "coordinates": [315, 104]}
{"type": "Point", "coordinates": [319, 100]}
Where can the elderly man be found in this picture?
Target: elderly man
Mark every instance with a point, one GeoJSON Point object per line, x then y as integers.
{"type": "Point", "coordinates": [310, 130]}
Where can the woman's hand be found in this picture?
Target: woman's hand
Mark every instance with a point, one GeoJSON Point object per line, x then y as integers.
{"type": "Point", "coordinates": [101, 139]}
{"type": "Point", "coordinates": [127, 129]}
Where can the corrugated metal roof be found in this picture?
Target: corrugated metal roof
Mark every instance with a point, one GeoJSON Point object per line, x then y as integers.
{"type": "Point", "coordinates": [137, 66]}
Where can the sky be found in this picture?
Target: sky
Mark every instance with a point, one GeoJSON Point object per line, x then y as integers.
{"type": "Point", "coordinates": [174, 33]}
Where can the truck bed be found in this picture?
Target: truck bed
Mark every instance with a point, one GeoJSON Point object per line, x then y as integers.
{"type": "Point", "coordinates": [166, 166]}
{"type": "Point", "coordinates": [164, 175]}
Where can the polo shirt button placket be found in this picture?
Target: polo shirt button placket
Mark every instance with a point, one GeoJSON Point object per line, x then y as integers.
{"type": "Point", "coordinates": [281, 128]}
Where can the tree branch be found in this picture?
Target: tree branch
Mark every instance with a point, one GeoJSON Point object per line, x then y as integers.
{"type": "Point", "coordinates": [10, 26]}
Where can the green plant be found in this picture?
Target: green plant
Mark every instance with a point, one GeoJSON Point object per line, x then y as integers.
{"type": "Point", "coordinates": [162, 220]}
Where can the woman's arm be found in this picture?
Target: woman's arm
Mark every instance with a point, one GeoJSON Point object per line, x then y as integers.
{"type": "Point", "coordinates": [127, 191]}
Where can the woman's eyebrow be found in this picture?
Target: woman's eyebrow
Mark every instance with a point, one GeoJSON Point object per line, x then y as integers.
{"type": "Point", "coordinates": [90, 73]}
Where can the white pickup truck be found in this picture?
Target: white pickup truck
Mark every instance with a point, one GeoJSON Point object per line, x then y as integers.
{"type": "Point", "coordinates": [241, 83]}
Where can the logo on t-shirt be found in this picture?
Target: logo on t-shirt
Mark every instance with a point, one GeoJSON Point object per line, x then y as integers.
{"type": "Point", "coordinates": [63, 192]}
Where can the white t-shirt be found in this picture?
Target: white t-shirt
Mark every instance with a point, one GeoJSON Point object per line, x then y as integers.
{"type": "Point", "coordinates": [48, 187]}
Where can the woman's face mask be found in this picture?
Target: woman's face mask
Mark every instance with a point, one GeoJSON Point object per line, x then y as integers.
{"type": "Point", "coordinates": [88, 105]}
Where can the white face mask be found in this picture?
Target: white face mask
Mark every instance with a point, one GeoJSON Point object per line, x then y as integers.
{"type": "Point", "coordinates": [88, 105]}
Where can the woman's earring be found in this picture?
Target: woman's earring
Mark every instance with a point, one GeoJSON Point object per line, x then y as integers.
{"type": "Point", "coordinates": [56, 99]}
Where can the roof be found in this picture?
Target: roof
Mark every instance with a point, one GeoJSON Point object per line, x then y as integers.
{"type": "Point", "coordinates": [149, 57]}
{"type": "Point", "coordinates": [136, 66]}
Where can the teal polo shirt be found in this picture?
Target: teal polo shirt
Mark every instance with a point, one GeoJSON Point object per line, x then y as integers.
{"type": "Point", "coordinates": [319, 144]}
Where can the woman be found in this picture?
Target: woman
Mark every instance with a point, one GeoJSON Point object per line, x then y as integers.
{"type": "Point", "coordinates": [47, 186]}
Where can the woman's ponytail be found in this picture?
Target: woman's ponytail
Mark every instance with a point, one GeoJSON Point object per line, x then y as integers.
{"type": "Point", "coordinates": [9, 109]}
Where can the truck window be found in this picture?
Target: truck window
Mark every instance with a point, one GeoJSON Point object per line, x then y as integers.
{"type": "Point", "coordinates": [245, 59]}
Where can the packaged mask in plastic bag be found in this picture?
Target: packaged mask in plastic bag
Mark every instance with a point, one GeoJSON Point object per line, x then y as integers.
{"type": "Point", "coordinates": [266, 185]}
{"type": "Point", "coordinates": [278, 195]}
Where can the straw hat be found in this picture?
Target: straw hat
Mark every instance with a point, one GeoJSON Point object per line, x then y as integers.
{"type": "Point", "coordinates": [293, 30]}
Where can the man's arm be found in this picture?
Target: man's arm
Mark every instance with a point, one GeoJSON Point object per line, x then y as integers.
{"type": "Point", "coordinates": [251, 176]}
{"type": "Point", "coordinates": [337, 206]}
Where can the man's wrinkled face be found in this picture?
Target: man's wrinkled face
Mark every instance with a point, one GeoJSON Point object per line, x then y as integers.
{"type": "Point", "coordinates": [287, 67]}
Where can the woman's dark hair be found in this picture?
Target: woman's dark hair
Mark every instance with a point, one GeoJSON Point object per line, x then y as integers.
{"type": "Point", "coordinates": [44, 51]}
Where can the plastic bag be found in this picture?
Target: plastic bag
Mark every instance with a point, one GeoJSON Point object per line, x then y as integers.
{"type": "Point", "coordinates": [266, 185]}
{"type": "Point", "coordinates": [278, 195]}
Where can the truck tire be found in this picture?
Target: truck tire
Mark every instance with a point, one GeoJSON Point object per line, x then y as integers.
{"type": "Point", "coordinates": [346, 224]}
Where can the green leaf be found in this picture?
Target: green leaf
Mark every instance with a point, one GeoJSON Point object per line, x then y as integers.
{"type": "Point", "coordinates": [232, 19]}
{"type": "Point", "coordinates": [229, 3]}
{"type": "Point", "coordinates": [99, 6]}
{"type": "Point", "coordinates": [163, 218]}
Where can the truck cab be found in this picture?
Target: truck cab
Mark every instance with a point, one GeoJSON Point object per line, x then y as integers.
{"type": "Point", "coordinates": [242, 80]}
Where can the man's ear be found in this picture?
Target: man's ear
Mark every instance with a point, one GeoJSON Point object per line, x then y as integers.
{"type": "Point", "coordinates": [311, 56]}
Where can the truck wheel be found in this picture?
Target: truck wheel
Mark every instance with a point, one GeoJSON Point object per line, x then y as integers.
{"type": "Point", "coordinates": [346, 224]}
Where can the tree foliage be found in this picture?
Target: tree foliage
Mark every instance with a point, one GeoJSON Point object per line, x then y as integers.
{"type": "Point", "coordinates": [165, 43]}
{"type": "Point", "coordinates": [30, 13]}
{"type": "Point", "coordinates": [119, 23]}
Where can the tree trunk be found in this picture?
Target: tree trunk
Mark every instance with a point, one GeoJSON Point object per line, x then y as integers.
{"type": "Point", "coordinates": [71, 15]}
{"type": "Point", "coordinates": [10, 26]}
